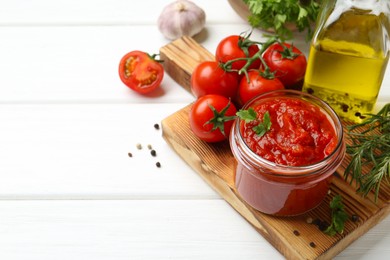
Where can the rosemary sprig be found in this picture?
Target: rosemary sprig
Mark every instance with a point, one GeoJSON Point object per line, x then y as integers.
{"type": "Point", "coordinates": [370, 147]}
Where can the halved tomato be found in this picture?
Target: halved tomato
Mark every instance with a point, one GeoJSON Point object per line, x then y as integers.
{"type": "Point", "coordinates": [140, 71]}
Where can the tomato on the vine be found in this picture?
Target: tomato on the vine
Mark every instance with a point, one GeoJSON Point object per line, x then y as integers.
{"type": "Point", "coordinates": [288, 63]}
{"type": "Point", "coordinates": [211, 118]}
{"type": "Point", "coordinates": [234, 47]}
{"type": "Point", "coordinates": [140, 72]}
{"type": "Point", "coordinates": [257, 83]}
{"type": "Point", "coordinates": [209, 77]}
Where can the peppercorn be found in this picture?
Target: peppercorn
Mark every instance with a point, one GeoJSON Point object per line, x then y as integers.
{"type": "Point", "coordinates": [316, 222]}
{"type": "Point", "coordinates": [323, 225]}
{"type": "Point", "coordinates": [355, 218]}
{"type": "Point", "coordinates": [153, 152]}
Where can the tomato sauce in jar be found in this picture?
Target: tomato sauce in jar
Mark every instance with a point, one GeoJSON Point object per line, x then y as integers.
{"type": "Point", "coordinates": [287, 170]}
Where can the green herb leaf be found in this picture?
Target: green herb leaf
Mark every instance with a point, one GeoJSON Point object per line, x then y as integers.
{"type": "Point", "coordinates": [302, 13]}
{"type": "Point", "coordinates": [264, 126]}
{"type": "Point", "coordinates": [339, 217]}
{"type": "Point", "coordinates": [247, 115]}
{"type": "Point", "coordinates": [250, 115]}
{"type": "Point", "coordinates": [276, 14]}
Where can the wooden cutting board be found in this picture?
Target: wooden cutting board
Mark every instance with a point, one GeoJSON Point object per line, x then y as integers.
{"type": "Point", "coordinates": [294, 237]}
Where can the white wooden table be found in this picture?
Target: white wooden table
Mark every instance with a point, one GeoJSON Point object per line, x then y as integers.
{"type": "Point", "coordinates": [68, 189]}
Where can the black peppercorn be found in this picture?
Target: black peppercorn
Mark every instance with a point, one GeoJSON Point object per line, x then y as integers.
{"type": "Point", "coordinates": [355, 218]}
{"type": "Point", "coordinates": [323, 225]}
{"type": "Point", "coordinates": [316, 222]}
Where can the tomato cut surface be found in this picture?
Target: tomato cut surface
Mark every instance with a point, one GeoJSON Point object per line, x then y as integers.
{"type": "Point", "coordinates": [140, 72]}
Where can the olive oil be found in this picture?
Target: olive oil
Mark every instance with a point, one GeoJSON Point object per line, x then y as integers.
{"type": "Point", "coordinates": [349, 83]}
{"type": "Point", "coordinates": [348, 56]}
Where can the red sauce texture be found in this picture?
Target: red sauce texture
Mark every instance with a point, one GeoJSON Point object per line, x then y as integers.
{"type": "Point", "coordinates": [301, 134]}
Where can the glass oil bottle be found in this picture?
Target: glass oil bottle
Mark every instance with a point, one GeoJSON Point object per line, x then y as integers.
{"type": "Point", "coordinates": [348, 55]}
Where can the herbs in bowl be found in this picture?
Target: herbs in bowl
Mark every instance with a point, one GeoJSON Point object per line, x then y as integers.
{"type": "Point", "coordinates": [283, 17]}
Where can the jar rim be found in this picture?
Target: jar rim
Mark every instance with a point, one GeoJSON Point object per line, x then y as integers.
{"type": "Point", "coordinates": [302, 170]}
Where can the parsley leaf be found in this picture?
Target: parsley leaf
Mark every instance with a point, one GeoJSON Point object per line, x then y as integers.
{"type": "Point", "coordinates": [247, 115]}
{"type": "Point", "coordinates": [250, 115]}
{"type": "Point", "coordinates": [263, 127]}
{"type": "Point", "coordinates": [339, 216]}
{"type": "Point", "coordinates": [277, 14]}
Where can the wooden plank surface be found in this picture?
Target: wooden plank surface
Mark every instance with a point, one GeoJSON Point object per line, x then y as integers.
{"type": "Point", "coordinates": [80, 151]}
{"type": "Point", "coordinates": [103, 12]}
{"type": "Point", "coordinates": [115, 230]}
{"type": "Point", "coordinates": [215, 163]}
{"type": "Point", "coordinates": [68, 189]}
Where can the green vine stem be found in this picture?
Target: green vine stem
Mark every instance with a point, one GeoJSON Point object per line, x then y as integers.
{"type": "Point", "coordinates": [227, 66]}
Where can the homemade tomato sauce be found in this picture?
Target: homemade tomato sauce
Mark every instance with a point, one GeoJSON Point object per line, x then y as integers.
{"type": "Point", "coordinates": [300, 134]}
{"type": "Point", "coordinates": [287, 171]}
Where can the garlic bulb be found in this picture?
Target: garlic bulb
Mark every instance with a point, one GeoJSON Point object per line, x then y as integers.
{"type": "Point", "coordinates": [181, 18]}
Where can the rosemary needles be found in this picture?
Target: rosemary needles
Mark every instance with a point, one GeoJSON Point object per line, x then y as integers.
{"type": "Point", "coordinates": [370, 148]}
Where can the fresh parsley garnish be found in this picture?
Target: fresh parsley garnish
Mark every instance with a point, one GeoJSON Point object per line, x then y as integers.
{"type": "Point", "coordinates": [264, 126]}
{"type": "Point", "coordinates": [250, 115]}
{"type": "Point", "coordinates": [247, 115]}
{"type": "Point", "coordinates": [339, 217]}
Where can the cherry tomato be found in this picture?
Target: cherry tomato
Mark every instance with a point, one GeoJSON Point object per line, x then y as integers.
{"type": "Point", "coordinates": [210, 78]}
{"type": "Point", "coordinates": [140, 72]}
{"type": "Point", "coordinates": [233, 47]}
{"type": "Point", "coordinates": [288, 63]}
{"type": "Point", "coordinates": [211, 118]}
{"type": "Point", "coordinates": [258, 84]}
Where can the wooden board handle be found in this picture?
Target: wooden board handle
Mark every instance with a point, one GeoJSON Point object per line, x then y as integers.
{"type": "Point", "coordinates": [181, 57]}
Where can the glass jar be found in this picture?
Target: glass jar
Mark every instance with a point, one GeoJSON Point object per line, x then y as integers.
{"type": "Point", "coordinates": [278, 189]}
{"type": "Point", "coordinates": [348, 56]}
